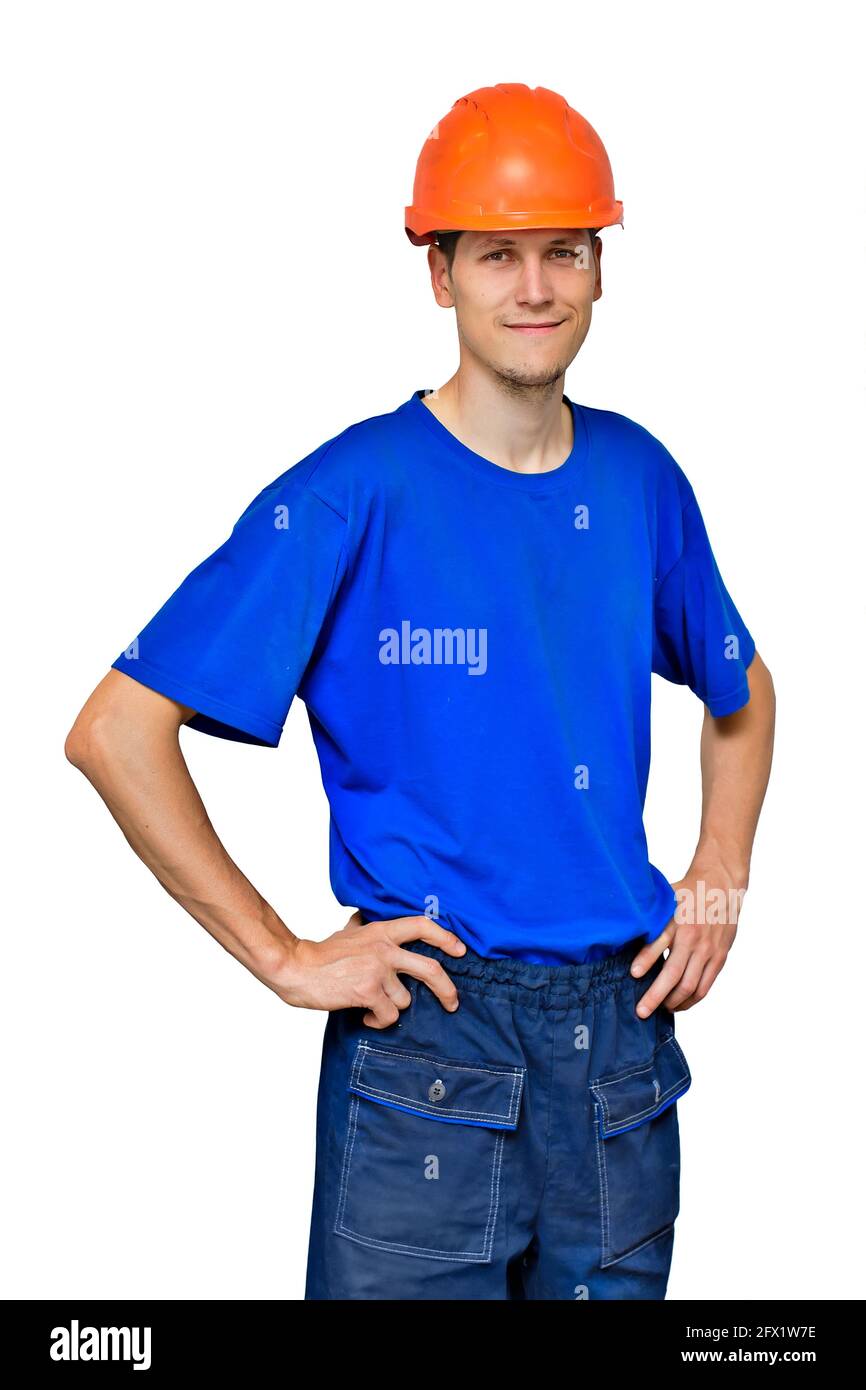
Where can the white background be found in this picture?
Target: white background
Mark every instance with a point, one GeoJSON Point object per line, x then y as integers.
{"type": "Point", "coordinates": [205, 276]}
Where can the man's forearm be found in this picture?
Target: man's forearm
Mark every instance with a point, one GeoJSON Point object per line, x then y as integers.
{"type": "Point", "coordinates": [145, 783]}
{"type": "Point", "coordinates": [736, 755]}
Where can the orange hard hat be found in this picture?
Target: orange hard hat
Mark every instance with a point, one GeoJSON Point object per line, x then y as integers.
{"type": "Point", "coordinates": [511, 156]}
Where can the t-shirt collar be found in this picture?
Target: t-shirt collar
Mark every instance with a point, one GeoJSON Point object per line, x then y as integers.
{"type": "Point", "coordinates": [507, 477]}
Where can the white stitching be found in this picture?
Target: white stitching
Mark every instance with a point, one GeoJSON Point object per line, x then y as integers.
{"type": "Point", "coordinates": [462, 1255]}
{"type": "Point", "coordinates": [481, 1256]}
{"type": "Point", "coordinates": [607, 1256]}
{"type": "Point", "coordinates": [629, 1120]}
{"type": "Point", "coordinates": [602, 1176]}
{"type": "Point", "coordinates": [597, 1087]}
{"type": "Point", "coordinates": [421, 1106]}
{"type": "Point", "coordinates": [636, 1069]}
{"type": "Point", "coordinates": [347, 1158]}
{"type": "Point", "coordinates": [606, 1264]}
{"type": "Point", "coordinates": [487, 1247]}
{"type": "Point", "coordinates": [440, 1061]}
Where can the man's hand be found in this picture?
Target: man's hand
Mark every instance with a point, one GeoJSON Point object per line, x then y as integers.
{"type": "Point", "coordinates": [357, 968]}
{"type": "Point", "coordinates": [698, 947]}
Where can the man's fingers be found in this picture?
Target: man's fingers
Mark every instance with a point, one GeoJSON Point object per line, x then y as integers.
{"type": "Point", "coordinates": [667, 979]}
{"type": "Point", "coordinates": [687, 984]}
{"type": "Point", "coordinates": [430, 972]}
{"type": "Point", "coordinates": [649, 954]}
{"type": "Point", "coordinates": [392, 998]}
{"type": "Point", "coordinates": [397, 992]}
{"type": "Point", "coordinates": [382, 1011]}
{"type": "Point", "coordinates": [423, 929]}
{"type": "Point", "coordinates": [708, 975]}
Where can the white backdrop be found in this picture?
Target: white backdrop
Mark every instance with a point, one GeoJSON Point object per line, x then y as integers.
{"type": "Point", "coordinates": [205, 276]}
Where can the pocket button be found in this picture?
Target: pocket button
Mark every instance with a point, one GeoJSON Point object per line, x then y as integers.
{"type": "Point", "coordinates": [436, 1090]}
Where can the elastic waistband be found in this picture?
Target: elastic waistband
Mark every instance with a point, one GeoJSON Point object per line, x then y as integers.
{"type": "Point", "coordinates": [541, 986]}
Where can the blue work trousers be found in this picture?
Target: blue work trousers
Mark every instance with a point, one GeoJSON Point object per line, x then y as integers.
{"type": "Point", "coordinates": [525, 1146]}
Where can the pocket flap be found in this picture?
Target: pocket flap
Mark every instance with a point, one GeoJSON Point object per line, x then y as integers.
{"type": "Point", "coordinates": [446, 1089]}
{"type": "Point", "coordinates": [644, 1091]}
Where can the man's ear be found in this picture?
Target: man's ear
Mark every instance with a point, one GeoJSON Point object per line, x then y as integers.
{"type": "Point", "coordinates": [597, 250]}
{"type": "Point", "coordinates": [439, 277]}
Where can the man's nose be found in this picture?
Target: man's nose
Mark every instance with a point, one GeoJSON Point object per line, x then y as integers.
{"type": "Point", "coordinates": [534, 285]}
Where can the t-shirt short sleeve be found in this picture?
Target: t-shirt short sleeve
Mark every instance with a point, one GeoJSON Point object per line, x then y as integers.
{"type": "Point", "coordinates": [700, 640]}
{"type": "Point", "coordinates": [234, 639]}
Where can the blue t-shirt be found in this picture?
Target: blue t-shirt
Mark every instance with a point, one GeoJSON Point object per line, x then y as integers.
{"type": "Point", "coordinates": [474, 648]}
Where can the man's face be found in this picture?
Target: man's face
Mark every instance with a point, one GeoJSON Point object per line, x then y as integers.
{"type": "Point", "coordinates": [523, 299]}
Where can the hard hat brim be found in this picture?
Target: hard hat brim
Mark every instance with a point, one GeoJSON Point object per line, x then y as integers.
{"type": "Point", "coordinates": [422, 224]}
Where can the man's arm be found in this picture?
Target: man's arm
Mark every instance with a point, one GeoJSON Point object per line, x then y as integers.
{"type": "Point", "coordinates": [736, 755]}
{"type": "Point", "coordinates": [126, 742]}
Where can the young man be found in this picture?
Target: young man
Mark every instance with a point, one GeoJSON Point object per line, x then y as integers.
{"type": "Point", "coordinates": [470, 594]}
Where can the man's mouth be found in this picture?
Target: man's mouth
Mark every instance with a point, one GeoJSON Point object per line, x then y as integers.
{"type": "Point", "coordinates": [531, 329]}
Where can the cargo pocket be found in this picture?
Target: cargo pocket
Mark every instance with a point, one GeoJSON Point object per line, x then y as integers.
{"type": "Point", "coordinates": [638, 1149]}
{"type": "Point", "coordinates": [422, 1161]}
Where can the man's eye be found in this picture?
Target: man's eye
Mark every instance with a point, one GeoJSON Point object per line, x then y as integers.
{"type": "Point", "coordinates": [558, 251]}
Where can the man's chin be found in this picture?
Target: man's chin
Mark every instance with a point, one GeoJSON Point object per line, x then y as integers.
{"type": "Point", "coordinates": [536, 379]}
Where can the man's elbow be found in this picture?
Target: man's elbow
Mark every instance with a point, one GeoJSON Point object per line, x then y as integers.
{"type": "Point", "coordinates": [84, 739]}
{"type": "Point", "coordinates": [104, 724]}
{"type": "Point", "coordinates": [123, 721]}
{"type": "Point", "coordinates": [73, 748]}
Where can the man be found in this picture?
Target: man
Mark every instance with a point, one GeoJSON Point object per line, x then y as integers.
{"type": "Point", "coordinates": [470, 594]}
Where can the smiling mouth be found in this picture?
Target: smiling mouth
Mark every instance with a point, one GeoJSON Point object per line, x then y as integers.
{"type": "Point", "coordinates": [532, 328]}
